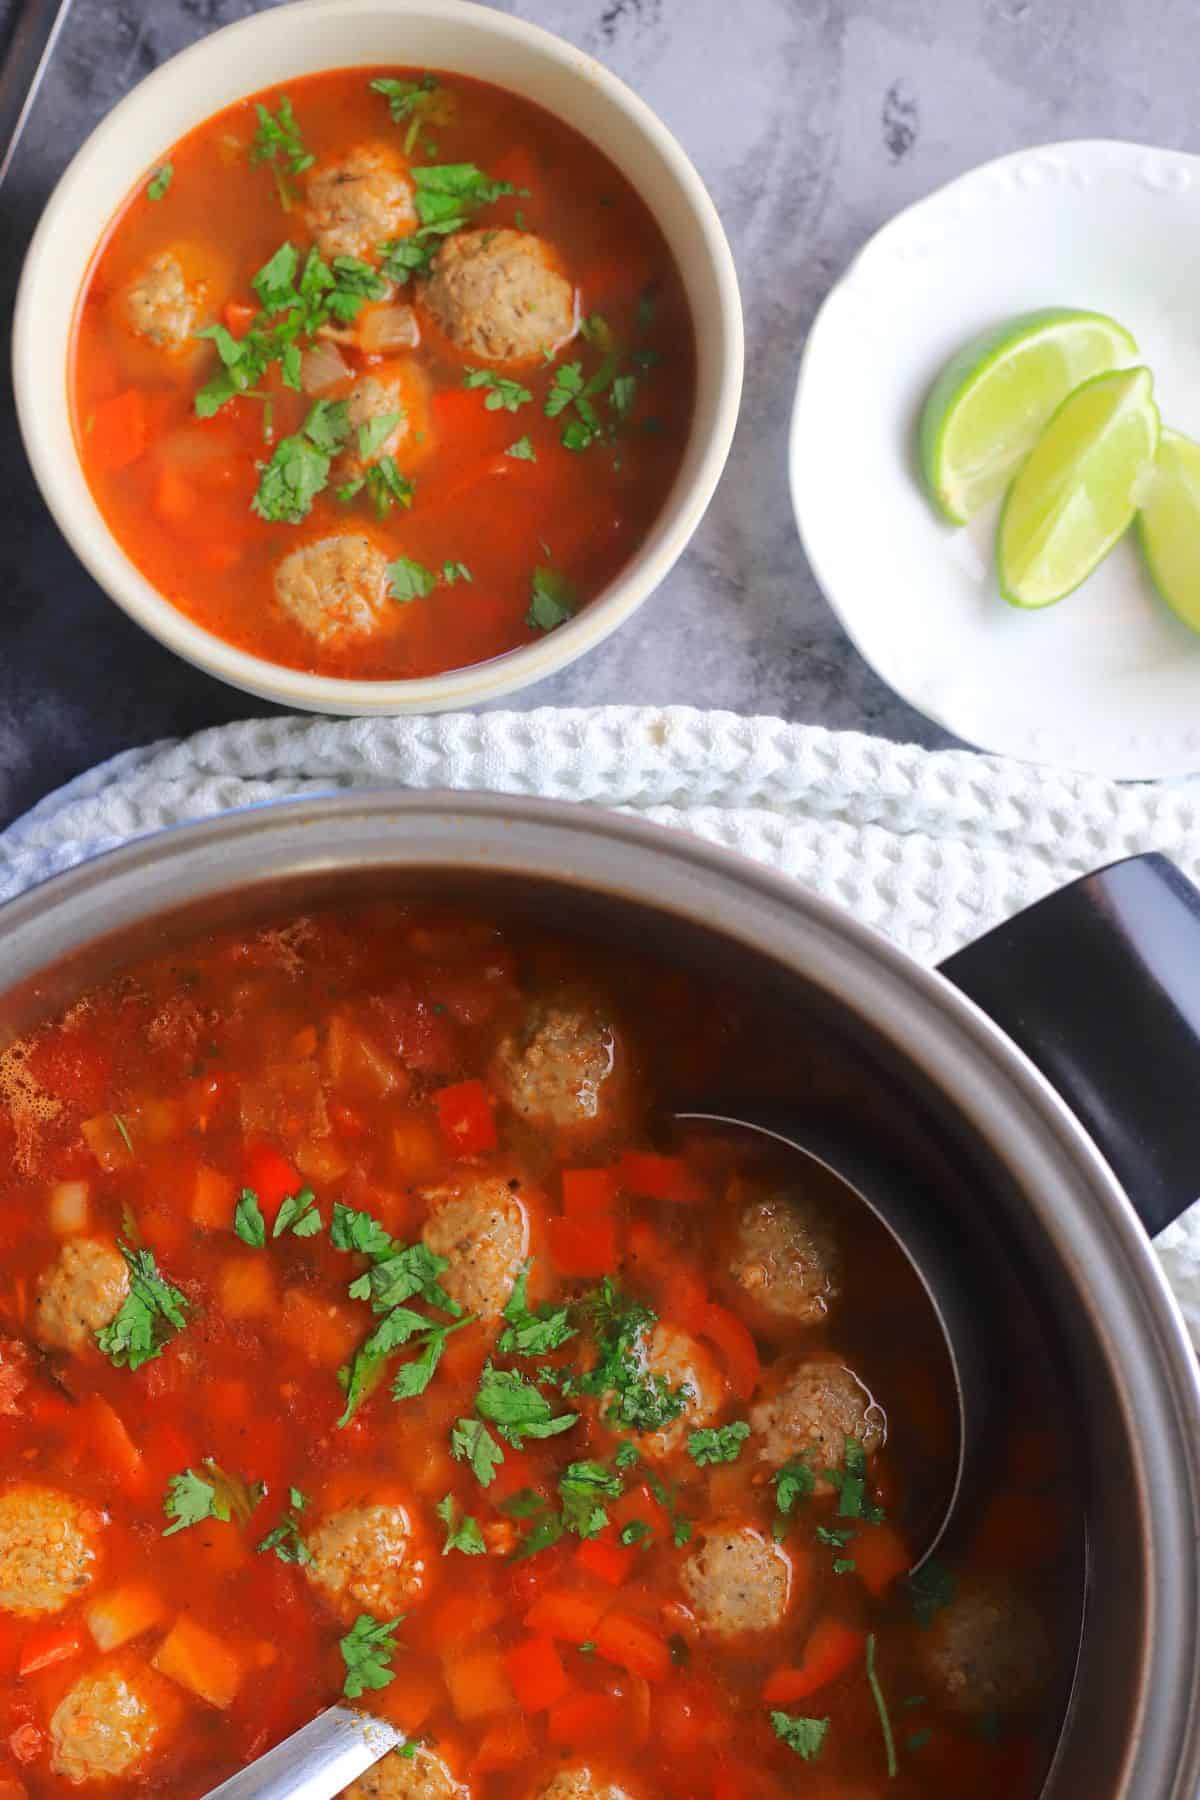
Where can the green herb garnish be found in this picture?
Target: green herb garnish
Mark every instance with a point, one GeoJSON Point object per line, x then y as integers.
{"type": "Point", "coordinates": [804, 1736]}
{"type": "Point", "coordinates": [503, 394]}
{"type": "Point", "coordinates": [192, 1498]}
{"type": "Point", "coordinates": [518, 1410]}
{"type": "Point", "coordinates": [298, 1214]}
{"type": "Point", "coordinates": [367, 1650]}
{"type": "Point", "coordinates": [472, 1442]}
{"type": "Point", "coordinates": [582, 1488]}
{"type": "Point", "coordinates": [286, 1539]}
{"type": "Point", "coordinates": [885, 1723]}
{"type": "Point", "coordinates": [151, 1314]}
{"type": "Point", "coordinates": [410, 580]}
{"type": "Point", "coordinates": [720, 1445]}
{"type": "Point", "coordinates": [299, 468]}
{"type": "Point", "coordinates": [533, 1333]}
{"type": "Point", "coordinates": [522, 450]}
{"type": "Point", "coordinates": [160, 181]}
{"type": "Point", "coordinates": [278, 142]}
{"type": "Point", "coordinates": [552, 599]}
{"type": "Point", "coordinates": [248, 1221]}
{"type": "Point", "coordinates": [461, 1534]}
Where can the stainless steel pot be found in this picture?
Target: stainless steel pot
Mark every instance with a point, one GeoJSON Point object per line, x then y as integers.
{"type": "Point", "coordinates": [1026, 1165]}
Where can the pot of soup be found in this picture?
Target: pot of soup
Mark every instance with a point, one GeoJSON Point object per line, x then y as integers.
{"type": "Point", "coordinates": [370, 1326]}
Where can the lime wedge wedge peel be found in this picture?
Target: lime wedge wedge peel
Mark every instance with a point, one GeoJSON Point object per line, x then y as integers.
{"type": "Point", "coordinates": [986, 409]}
{"type": "Point", "coordinates": [1169, 525]}
{"type": "Point", "coordinates": [1079, 489]}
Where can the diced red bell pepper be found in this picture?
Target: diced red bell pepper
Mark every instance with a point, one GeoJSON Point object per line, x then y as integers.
{"type": "Point", "coordinates": [831, 1648]}
{"type": "Point", "coordinates": [586, 1192]}
{"type": "Point", "coordinates": [535, 1670]}
{"type": "Point", "coordinates": [583, 1721]}
{"type": "Point", "coordinates": [465, 1117]}
{"type": "Point", "coordinates": [737, 1348]}
{"type": "Point", "coordinates": [633, 1644]}
{"type": "Point", "coordinates": [657, 1177]}
{"type": "Point", "coordinates": [48, 1645]}
{"type": "Point", "coordinates": [584, 1246]}
{"type": "Point", "coordinates": [272, 1178]}
{"type": "Point", "coordinates": [606, 1559]}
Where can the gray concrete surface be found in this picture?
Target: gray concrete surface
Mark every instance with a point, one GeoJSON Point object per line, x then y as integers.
{"type": "Point", "coordinates": [812, 121]}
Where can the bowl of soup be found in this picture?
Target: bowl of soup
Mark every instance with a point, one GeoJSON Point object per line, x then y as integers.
{"type": "Point", "coordinates": [370, 1327]}
{"type": "Point", "coordinates": [379, 357]}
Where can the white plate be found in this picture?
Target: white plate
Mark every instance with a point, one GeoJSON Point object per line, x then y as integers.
{"type": "Point", "coordinates": [1108, 680]}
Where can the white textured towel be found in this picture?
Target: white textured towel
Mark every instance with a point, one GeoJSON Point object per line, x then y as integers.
{"type": "Point", "coordinates": [929, 847]}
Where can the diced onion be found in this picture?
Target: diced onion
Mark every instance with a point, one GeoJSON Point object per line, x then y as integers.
{"type": "Point", "coordinates": [385, 328]}
{"type": "Point", "coordinates": [69, 1207]}
{"type": "Point", "coordinates": [322, 367]}
{"type": "Point", "coordinates": [117, 1617]}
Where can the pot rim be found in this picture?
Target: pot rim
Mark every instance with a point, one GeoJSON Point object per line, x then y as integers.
{"type": "Point", "coordinates": [1004, 1099]}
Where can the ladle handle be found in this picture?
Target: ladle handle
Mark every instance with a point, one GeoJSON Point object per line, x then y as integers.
{"type": "Point", "coordinates": [1099, 984]}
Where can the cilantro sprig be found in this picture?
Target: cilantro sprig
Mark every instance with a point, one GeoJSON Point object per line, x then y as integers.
{"type": "Point", "coordinates": [552, 599]}
{"type": "Point", "coordinates": [805, 1736]}
{"type": "Point", "coordinates": [367, 1650]}
{"type": "Point", "coordinates": [191, 1497]}
{"type": "Point", "coordinates": [638, 1399]}
{"type": "Point", "coordinates": [278, 142]}
{"type": "Point", "coordinates": [502, 393]}
{"type": "Point", "coordinates": [719, 1444]}
{"type": "Point", "coordinates": [248, 1221]}
{"type": "Point", "coordinates": [517, 1408]}
{"type": "Point", "coordinates": [286, 1539]}
{"type": "Point", "coordinates": [529, 1333]}
{"type": "Point", "coordinates": [151, 1314]}
{"type": "Point", "coordinates": [462, 1533]}
{"type": "Point", "coordinates": [297, 472]}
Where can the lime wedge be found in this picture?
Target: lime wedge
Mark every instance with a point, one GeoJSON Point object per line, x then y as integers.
{"type": "Point", "coordinates": [1169, 525]}
{"type": "Point", "coordinates": [1079, 488]}
{"type": "Point", "coordinates": [989, 403]}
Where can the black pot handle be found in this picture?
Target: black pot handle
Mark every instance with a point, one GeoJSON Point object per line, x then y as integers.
{"type": "Point", "coordinates": [1099, 984]}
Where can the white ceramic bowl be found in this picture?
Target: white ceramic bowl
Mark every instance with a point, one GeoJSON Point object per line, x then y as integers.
{"type": "Point", "coordinates": [1108, 680]}
{"type": "Point", "coordinates": [268, 50]}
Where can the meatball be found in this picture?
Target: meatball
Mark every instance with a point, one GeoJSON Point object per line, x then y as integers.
{"type": "Point", "coordinates": [811, 1411]}
{"type": "Point", "coordinates": [679, 1361]}
{"type": "Point", "coordinates": [48, 1549]}
{"type": "Point", "coordinates": [987, 1650]}
{"type": "Point", "coordinates": [335, 589]}
{"type": "Point", "coordinates": [737, 1580]}
{"type": "Point", "coordinates": [161, 307]}
{"type": "Point", "coordinates": [785, 1260]}
{"type": "Point", "coordinates": [395, 388]}
{"type": "Point", "coordinates": [563, 1069]}
{"type": "Point", "coordinates": [581, 1784]}
{"type": "Point", "coordinates": [80, 1294]}
{"type": "Point", "coordinates": [423, 1775]}
{"type": "Point", "coordinates": [482, 1228]}
{"type": "Point", "coordinates": [498, 295]}
{"type": "Point", "coordinates": [109, 1723]}
{"type": "Point", "coordinates": [354, 205]}
{"type": "Point", "coordinates": [367, 1559]}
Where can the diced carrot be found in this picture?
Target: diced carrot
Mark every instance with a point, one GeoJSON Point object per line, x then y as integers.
{"type": "Point", "coordinates": [737, 1347]}
{"type": "Point", "coordinates": [586, 1192]}
{"type": "Point", "coordinates": [465, 1117]}
{"type": "Point", "coordinates": [478, 1684]}
{"type": "Point", "coordinates": [571, 1614]}
{"type": "Point", "coordinates": [118, 432]}
{"type": "Point", "coordinates": [880, 1557]}
{"type": "Point", "coordinates": [48, 1645]}
{"type": "Point", "coordinates": [199, 1661]}
{"type": "Point", "coordinates": [633, 1644]}
{"type": "Point", "coordinates": [464, 1616]}
{"type": "Point", "coordinates": [606, 1559]}
{"type": "Point", "coordinates": [123, 1614]}
{"type": "Point", "coordinates": [831, 1648]}
{"type": "Point", "coordinates": [583, 1721]}
{"type": "Point", "coordinates": [657, 1177]}
{"type": "Point", "coordinates": [107, 1142]}
{"type": "Point", "coordinates": [247, 1287]}
{"type": "Point", "coordinates": [504, 1745]}
{"type": "Point", "coordinates": [239, 317]}
{"type": "Point", "coordinates": [213, 1199]}
{"type": "Point", "coordinates": [112, 1445]}
{"type": "Point", "coordinates": [272, 1177]}
{"type": "Point", "coordinates": [408, 1703]}
{"type": "Point", "coordinates": [684, 1299]}
{"type": "Point", "coordinates": [584, 1246]}
{"type": "Point", "coordinates": [535, 1670]}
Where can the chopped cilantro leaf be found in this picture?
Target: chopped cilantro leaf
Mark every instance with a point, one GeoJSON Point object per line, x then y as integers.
{"type": "Point", "coordinates": [160, 181]}
{"type": "Point", "coordinates": [522, 450]}
{"type": "Point", "coordinates": [526, 1503]}
{"type": "Point", "coordinates": [409, 580]}
{"type": "Point", "coordinates": [151, 1314]}
{"type": "Point", "coordinates": [374, 433]}
{"type": "Point", "coordinates": [275, 282]}
{"type": "Point", "coordinates": [286, 1539]}
{"type": "Point", "coordinates": [588, 1647]}
{"type": "Point", "coordinates": [547, 1530]}
{"type": "Point", "coordinates": [402, 257]}
{"type": "Point", "coordinates": [635, 1532]}
{"type": "Point", "coordinates": [581, 1488]}
{"type": "Point", "coordinates": [278, 142]}
{"type": "Point", "coordinates": [918, 1739]}
{"type": "Point", "coordinates": [837, 1539]}
{"type": "Point", "coordinates": [367, 1650]}
{"type": "Point", "coordinates": [624, 392]}
{"type": "Point", "coordinates": [626, 1456]}
{"type": "Point", "coordinates": [123, 1128]}
{"type": "Point", "coordinates": [567, 383]}
{"type": "Point", "coordinates": [406, 99]}
{"type": "Point", "coordinates": [191, 1498]}
{"type": "Point", "coordinates": [681, 1531]}
{"type": "Point", "coordinates": [451, 573]}
{"type": "Point", "coordinates": [720, 1445]}
{"type": "Point", "coordinates": [596, 329]}
{"type": "Point", "coordinates": [354, 1230]}
{"type": "Point", "coordinates": [552, 599]}
{"type": "Point", "coordinates": [472, 1442]}
{"type": "Point", "coordinates": [518, 1410]}
{"type": "Point", "coordinates": [298, 1213]}
{"type": "Point", "coordinates": [502, 392]}
{"type": "Point", "coordinates": [248, 1221]}
{"type": "Point", "coordinates": [795, 1481]}
{"type": "Point", "coordinates": [637, 1399]}
{"type": "Point", "coordinates": [461, 1534]}
{"type": "Point", "coordinates": [804, 1736]}
{"type": "Point", "coordinates": [446, 193]}
{"type": "Point", "coordinates": [844, 1565]}
{"type": "Point", "coordinates": [533, 1333]}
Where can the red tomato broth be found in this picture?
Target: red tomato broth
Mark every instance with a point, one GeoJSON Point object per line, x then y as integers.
{"type": "Point", "coordinates": [488, 1665]}
{"type": "Point", "coordinates": [176, 490]}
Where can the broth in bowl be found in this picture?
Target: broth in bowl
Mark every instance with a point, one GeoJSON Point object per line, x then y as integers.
{"type": "Point", "coordinates": [385, 376]}
{"type": "Point", "coordinates": [365, 1330]}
